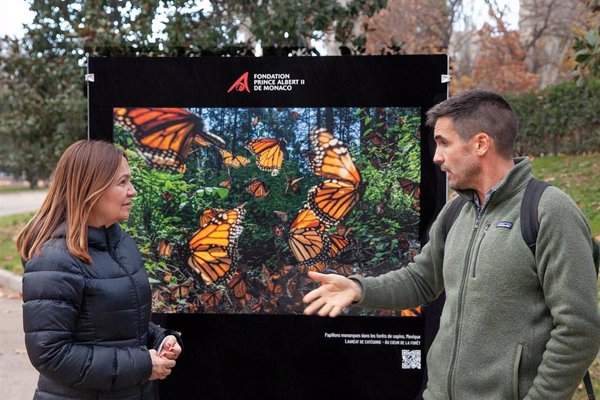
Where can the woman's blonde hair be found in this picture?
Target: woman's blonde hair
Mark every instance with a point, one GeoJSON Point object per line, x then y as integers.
{"type": "Point", "coordinates": [84, 172]}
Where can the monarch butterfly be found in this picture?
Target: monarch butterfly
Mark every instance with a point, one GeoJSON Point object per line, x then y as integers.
{"type": "Point", "coordinates": [292, 183]}
{"type": "Point", "coordinates": [226, 184]}
{"type": "Point", "coordinates": [345, 250]}
{"type": "Point", "coordinates": [268, 152]}
{"type": "Point", "coordinates": [257, 188]}
{"type": "Point", "coordinates": [411, 312]}
{"type": "Point", "coordinates": [278, 230]}
{"type": "Point", "coordinates": [214, 246]}
{"type": "Point", "coordinates": [335, 197]}
{"type": "Point", "coordinates": [208, 215]}
{"type": "Point", "coordinates": [233, 161]}
{"type": "Point", "coordinates": [410, 188]}
{"type": "Point", "coordinates": [237, 284]}
{"type": "Point", "coordinates": [332, 200]}
{"type": "Point", "coordinates": [165, 135]}
{"type": "Point", "coordinates": [330, 157]}
{"type": "Point", "coordinates": [254, 121]}
{"type": "Point", "coordinates": [339, 245]}
{"type": "Point", "coordinates": [282, 215]}
{"type": "Point", "coordinates": [376, 138]}
{"type": "Point", "coordinates": [181, 291]}
{"type": "Point", "coordinates": [168, 275]}
{"type": "Point", "coordinates": [165, 248]}
{"type": "Point", "coordinates": [211, 299]}
{"type": "Point", "coordinates": [344, 269]}
{"type": "Point", "coordinates": [308, 240]}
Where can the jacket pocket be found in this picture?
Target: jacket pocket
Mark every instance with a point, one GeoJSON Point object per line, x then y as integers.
{"type": "Point", "coordinates": [515, 378]}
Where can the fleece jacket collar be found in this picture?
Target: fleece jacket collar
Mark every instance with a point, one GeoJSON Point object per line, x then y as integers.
{"type": "Point", "coordinates": [510, 185]}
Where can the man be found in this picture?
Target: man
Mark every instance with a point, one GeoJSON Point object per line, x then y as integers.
{"type": "Point", "coordinates": [514, 326]}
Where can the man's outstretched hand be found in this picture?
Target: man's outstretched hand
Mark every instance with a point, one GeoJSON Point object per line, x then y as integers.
{"type": "Point", "coordinates": [335, 293]}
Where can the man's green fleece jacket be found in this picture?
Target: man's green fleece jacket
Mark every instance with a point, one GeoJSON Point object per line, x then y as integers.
{"type": "Point", "coordinates": [514, 326]}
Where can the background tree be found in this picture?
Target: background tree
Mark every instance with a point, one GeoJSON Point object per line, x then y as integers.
{"type": "Point", "coordinates": [546, 31]}
{"type": "Point", "coordinates": [586, 46]}
{"type": "Point", "coordinates": [42, 95]}
{"type": "Point", "coordinates": [427, 27]}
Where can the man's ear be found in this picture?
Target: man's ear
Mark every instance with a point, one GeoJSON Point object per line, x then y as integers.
{"type": "Point", "coordinates": [482, 142]}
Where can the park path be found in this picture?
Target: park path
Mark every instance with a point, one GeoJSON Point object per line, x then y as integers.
{"type": "Point", "coordinates": [18, 378]}
{"type": "Point", "coordinates": [20, 202]}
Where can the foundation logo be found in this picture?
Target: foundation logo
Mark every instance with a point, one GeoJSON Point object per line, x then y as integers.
{"type": "Point", "coordinates": [241, 84]}
{"type": "Point", "coordinates": [266, 83]}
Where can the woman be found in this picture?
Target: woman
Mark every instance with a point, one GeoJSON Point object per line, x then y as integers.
{"type": "Point", "coordinates": [86, 312]}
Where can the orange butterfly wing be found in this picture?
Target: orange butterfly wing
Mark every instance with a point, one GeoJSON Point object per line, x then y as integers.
{"type": "Point", "coordinates": [164, 135]}
{"type": "Point", "coordinates": [268, 152]}
{"type": "Point", "coordinates": [331, 158]}
{"type": "Point", "coordinates": [214, 247]}
{"type": "Point", "coordinates": [257, 188]}
{"type": "Point", "coordinates": [332, 200]}
{"type": "Point", "coordinates": [165, 248]}
{"type": "Point", "coordinates": [338, 244]}
{"type": "Point", "coordinates": [308, 240]}
{"type": "Point", "coordinates": [208, 215]}
{"type": "Point", "coordinates": [335, 197]}
{"type": "Point", "coordinates": [233, 161]}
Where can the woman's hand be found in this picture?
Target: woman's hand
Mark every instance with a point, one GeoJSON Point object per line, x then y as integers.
{"type": "Point", "coordinates": [170, 348]}
{"type": "Point", "coordinates": [161, 366]}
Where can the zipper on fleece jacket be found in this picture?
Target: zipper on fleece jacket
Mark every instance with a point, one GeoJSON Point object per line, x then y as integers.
{"type": "Point", "coordinates": [460, 305]}
{"type": "Point", "coordinates": [461, 294]}
{"type": "Point", "coordinates": [476, 252]}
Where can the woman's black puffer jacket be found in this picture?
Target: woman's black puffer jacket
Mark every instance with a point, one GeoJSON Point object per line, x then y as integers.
{"type": "Point", "coordinates": [87, 326]}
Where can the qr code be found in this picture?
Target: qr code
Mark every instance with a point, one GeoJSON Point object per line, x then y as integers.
{"type": "Point", "coordinates": [411, 359]}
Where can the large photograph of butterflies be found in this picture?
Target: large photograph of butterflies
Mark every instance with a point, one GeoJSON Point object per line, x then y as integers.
{"type": "Point", "coordinates": [235, 205]}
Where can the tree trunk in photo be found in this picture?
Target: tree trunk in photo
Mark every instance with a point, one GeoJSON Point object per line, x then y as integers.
{"type": "Point", "coordinates": [329, 119]}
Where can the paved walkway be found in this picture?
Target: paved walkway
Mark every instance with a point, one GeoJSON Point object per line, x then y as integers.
{"type": "Point", "coordinates": [18, 378]}
{"type": "Point", "coordinates": [20, 202]}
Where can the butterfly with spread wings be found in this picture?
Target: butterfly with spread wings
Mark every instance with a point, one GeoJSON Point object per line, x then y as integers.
{"type": "Point", "coordinates": [269, 153]}
{"type": "Point", "coordinates": [337, 195]}
{"type": "Point", "coordinates": [214, 251]}
{"type": "Point", "coordinates": [308, 240]}
{"type": "Point", "coordinates": [164, 136]}
{"type": "Point", "coordinates": [231, 160]}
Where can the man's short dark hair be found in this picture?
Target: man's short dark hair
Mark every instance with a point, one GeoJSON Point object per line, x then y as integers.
{"type": "Point", "coordinates": [477, 110]}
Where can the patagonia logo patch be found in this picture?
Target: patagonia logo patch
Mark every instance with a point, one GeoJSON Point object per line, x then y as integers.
{"type": "Point", "coordinates": [504, 224]}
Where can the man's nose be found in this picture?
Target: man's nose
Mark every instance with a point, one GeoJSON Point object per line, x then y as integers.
{"type": "Point", "coordinates": [437, 157]}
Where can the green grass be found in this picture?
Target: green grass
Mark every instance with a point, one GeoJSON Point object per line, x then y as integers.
{"type": "Point", "coordinates": [10, 226]}
{"type": "Point", "coordinates": [11, 189]}
{"type": "Point", "coordinates": [578, 177]}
